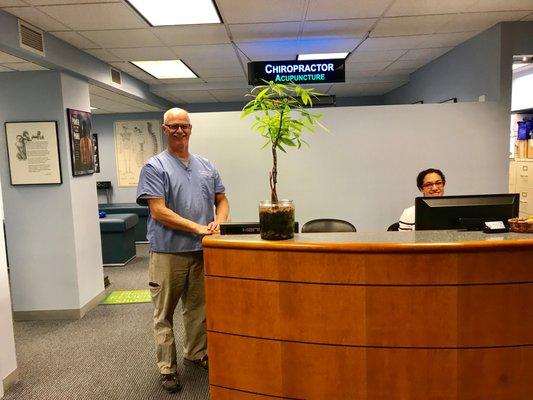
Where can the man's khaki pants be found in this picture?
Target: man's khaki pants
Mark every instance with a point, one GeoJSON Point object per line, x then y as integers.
{"type": "Point", "coordinates": [175, 276]}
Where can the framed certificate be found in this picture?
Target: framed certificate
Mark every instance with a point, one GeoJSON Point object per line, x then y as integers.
{"type": "Point", "coordinates": [33, 153]}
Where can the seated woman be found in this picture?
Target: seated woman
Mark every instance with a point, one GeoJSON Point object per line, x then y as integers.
{"type": "Point", "coordinates": [431, 183]}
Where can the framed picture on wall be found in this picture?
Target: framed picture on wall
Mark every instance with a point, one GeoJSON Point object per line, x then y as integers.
{"type": "Point", "coordinates": [135, 142]}
{"type": "Point", "coordinates": [81, 142]}
{"type": "Point", "coordinates": [33, 153]}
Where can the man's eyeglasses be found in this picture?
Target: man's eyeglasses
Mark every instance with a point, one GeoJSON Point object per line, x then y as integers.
{"type": "Point", "coordinates": [175, 127]}
{"type": "Point", "coordinates": [430, 184]}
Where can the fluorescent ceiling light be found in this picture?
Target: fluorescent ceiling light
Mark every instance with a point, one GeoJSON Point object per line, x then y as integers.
{"type": "Point", "coordinates": [321, 56]}
{"type": "Point", "coordinates": [166, 69]}
{"type": "Point", "coordinates": [94, 108]}
{"type": "Point", "coordinates": [519, 65]}
{"type": "Point", "coordinates": [176, 12]}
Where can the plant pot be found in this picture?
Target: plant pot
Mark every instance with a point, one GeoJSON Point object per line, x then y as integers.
{"type": "Point", "coordinates": [276, 220]}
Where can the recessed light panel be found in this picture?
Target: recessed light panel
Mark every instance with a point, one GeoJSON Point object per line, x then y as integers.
{"type": "Point", "coordinates": [321, 56]}
{"type": "Point", "coordinates": [176, 12]}
{"type": "Point", "coordinates": [166, 69]}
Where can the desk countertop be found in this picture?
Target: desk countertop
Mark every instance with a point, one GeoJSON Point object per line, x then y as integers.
{"type": "Point", "coordinates": [376, 241]}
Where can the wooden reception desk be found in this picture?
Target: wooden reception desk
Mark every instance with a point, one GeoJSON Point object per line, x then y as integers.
{"type": "Point", "coordinates": [393, 315]}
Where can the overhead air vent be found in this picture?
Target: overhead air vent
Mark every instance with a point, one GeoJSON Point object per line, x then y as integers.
{"type": "Point", "coordinates": [115, 76]}
{"type": "Point", "coordinates": [31, 38]}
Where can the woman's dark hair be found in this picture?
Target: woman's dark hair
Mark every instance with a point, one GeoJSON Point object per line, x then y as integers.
{"type": "Point", "coordinates": [422, 175]}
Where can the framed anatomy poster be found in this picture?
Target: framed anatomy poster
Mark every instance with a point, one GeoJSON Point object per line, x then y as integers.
{"type": "Point", "coordinates": [135, 142]}
{"type": "Point", "coordinates": [81, 142]}
{"type": "Point", "coordinates": [33, 153]}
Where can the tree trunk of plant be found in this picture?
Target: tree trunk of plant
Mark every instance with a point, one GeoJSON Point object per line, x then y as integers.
{"type": "Point", "coordinates": [274, 176]}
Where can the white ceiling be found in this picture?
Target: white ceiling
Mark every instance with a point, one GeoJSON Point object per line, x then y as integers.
{"type": "Point", "coordinates": [388, 39]}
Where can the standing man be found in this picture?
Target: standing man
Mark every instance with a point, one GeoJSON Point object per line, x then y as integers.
{"type": "Point", "coordinates": [431, 183]}
{"type": "Point", "coordinates": [187, 201]}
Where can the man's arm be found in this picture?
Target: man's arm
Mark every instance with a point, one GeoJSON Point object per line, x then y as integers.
{"type": "Point", "coordinates": [164, 215]}
{"type": "Point", "coordinates": [221, 212]}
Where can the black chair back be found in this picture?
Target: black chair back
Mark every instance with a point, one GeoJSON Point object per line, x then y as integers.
{"type": "Point", "coordinates": [328, 225]}
{"type": "Point", "coordinates": [394, 227]}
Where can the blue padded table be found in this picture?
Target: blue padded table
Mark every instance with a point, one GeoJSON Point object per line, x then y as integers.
{"type": "Point", "coordinates": [117, 232]}
{"type": "Point", "coordinates": [133, 208]}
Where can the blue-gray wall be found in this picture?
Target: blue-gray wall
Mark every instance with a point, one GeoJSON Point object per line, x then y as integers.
{"type": "Point", "coordinates": [466, 72]}
{"type": "Point", "coordinates": [103, 125]}
{"type": "Point", "coordinates": [480, 66]}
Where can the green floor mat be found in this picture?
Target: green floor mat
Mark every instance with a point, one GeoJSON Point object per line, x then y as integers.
{"type": "Point", "coordinates": [128, 296]}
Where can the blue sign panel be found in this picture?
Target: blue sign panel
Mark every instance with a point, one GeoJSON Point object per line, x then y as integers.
{"type": "Point", "coordinates": [300, 72]}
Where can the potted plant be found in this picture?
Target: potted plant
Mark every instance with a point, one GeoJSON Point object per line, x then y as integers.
{"type": "Point", "coordinates": [281, 117]}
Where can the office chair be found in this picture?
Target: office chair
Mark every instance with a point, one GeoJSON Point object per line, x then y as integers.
{"type": "Point", "coordinates": [394, 227]}
{"type": "Point", "coordinates": [328, 225]}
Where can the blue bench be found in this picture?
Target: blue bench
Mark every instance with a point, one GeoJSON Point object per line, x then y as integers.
{"type": "Point", "coordinates": [117, 232]}
{"type": "Point", "coordinates": [130, 208]}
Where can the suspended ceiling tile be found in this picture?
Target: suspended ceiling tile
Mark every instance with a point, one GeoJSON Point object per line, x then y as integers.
{"type": "Point", "coordinates": [445, 39]}
{"type": "Point", "coordinates": [392, 43]}
{"type": "Point", "coordinates": [237, 80]}
{"type": "Point", "coordinates": [270, 50]}
{"type": "Point", "coordinates": [266, 31]}
{"type": "Point", "coordinates": [208, 55]}
{"type": "Point", "coordinates": [478, 21]}
{"type": "Point", "coordinates": [75, 39]}
{"type": "Point", "coordinates": [209, 73]}
{"type": "Point", "coordinates": [49, 2]}
{"type": "Point", "coordinates": [404, 26]}
{"type": "Point", "coordinates": [7, 58]}
{"type": "Point", "coordinates": [367, 66]}
{"type": "Point", "coordinates": [339, 28]}
{"type": "Point", "coordinates": [417, 7]}
{"type": "Point", "coordinates": [192, 34]}
{"type": "Point", "coordinates": [407, 64]}
{"type": "Point", "coordinates": [230, 94]}
{"type": "Point", "coordinates": [144, 54]}
{"type": "Point", "coordinates": [354, 76]}
{"type": "Point", "coordinates": [123, 38]}
{"type": "Point", "coordinates": [12, 3]}
{"type": "Point", "coordinates": [195, 96]}
{"type": "Point", "coordinates": [238, 11]}
{"type": "Point", "coordinates": [396, 72]}
{"type": "Point", "coordinates": [346, 9]}
{"type": "Point", "coordinates": [374, 56]}
{"type": "Point", "coordinates": [37, 18]}
{"type": "Point", "coordinates": [24, 66]}
{"type": "Point", "coordinates": [125, 66]}
{"type": "Point", "coordinates": [81, 17]}
{"type": "Point", "coordinates": [328, 45]}
{"type": "Point", "coordinates": [425, 54]}
{"type": "Point", "coordinates": [103, 55]}
{"type": "Point", "coordinates": [501, 5]}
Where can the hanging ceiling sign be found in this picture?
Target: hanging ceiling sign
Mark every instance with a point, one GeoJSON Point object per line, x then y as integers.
{"type": "Point", "coordinates": [300, 72]}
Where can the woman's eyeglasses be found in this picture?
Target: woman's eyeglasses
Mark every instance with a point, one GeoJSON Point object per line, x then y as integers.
{"type": "Point", "coordinates": [430, 184]}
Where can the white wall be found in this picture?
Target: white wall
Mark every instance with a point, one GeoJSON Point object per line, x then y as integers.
{"type": "Point", "coordinates": [86, 227]}
{"type": "Point", "coordinates": [365, 171]}
{"type": "Point", "coordinates": [8, 361]}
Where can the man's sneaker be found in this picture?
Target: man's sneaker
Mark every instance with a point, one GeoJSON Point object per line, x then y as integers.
{"type": "Point", "coordinates": [170, 382]}
{"type": "Point", "coordinates": [199, 363]}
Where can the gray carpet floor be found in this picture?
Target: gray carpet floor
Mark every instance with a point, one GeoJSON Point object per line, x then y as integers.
{"type": "Point", "coordinates": [108, 354]}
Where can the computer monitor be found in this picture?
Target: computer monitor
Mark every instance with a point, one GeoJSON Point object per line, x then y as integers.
{"type": "Point", "coordinates": [468, 212]}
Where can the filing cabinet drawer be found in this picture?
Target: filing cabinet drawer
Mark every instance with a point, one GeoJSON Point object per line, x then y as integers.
{"type": "Point", "coordinates": [524, 174]}
{"type": "Point", "coordinates": [526, 201]}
